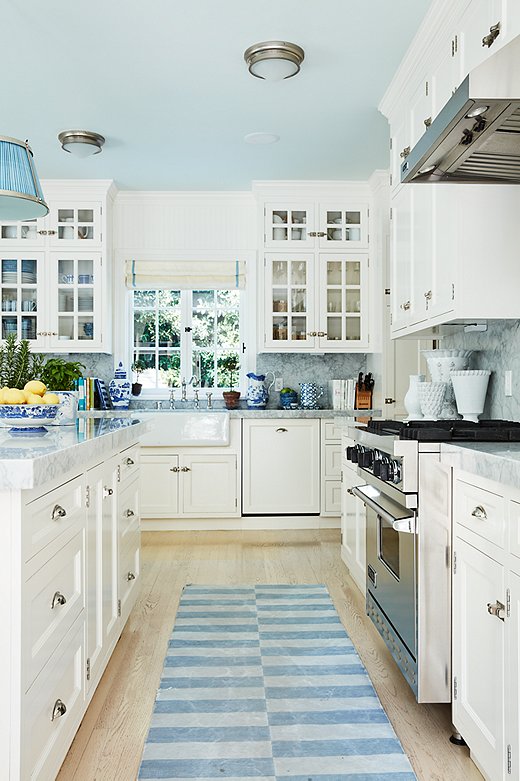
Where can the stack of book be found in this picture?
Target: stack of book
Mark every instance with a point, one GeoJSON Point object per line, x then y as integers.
{"type": "Point", "coordinates": [342, 394]}
{"type": "Point", "coordinates": [92, 394]}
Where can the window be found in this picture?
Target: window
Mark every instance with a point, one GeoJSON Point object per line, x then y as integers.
{"type": "Point", "coordinates": [185, 333]}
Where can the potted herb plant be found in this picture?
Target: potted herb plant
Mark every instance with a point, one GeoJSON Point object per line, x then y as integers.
{"type": "Point", "coordinates": [17, 365]}
{"type": "Point", "coordinates": [61, 375]}
{"type": "Point", "coordinates": [138, 368]}
{"type": "Point", "coordinates": [230, 366]}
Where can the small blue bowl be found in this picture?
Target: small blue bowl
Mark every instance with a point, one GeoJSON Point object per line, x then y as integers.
{"type": "Point", "coordinates": [288, 400]}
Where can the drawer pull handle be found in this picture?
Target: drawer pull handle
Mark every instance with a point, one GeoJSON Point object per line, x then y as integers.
{"type": "Point", "coordinates": [60, 709]}
{"type": "Point", "coordinates": [185, 469]}
{"type": "Point", "coordinates": [58, 512]}
{"type": "Point", "coordinates": [129, 513]}
{"type": "Point", "coordinates": [58, 599]}
{"type": "Point", "coordinates": [175, 469]}
{"type": "Point", "coordinates": [129, 461]}
{"type": "Point", "coordinates": [281, 431]}
{"type": "Point", "coordinates": [108, 491]}
{"type": "Point", "coordinates": [479, 512]}
{"type": "Point", "coordinates": [498, 610]}
{"type": "Point", "coordinates": [130, 576]}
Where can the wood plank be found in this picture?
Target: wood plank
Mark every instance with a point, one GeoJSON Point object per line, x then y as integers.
{"type": "Point", "coordinates": [110, 740]}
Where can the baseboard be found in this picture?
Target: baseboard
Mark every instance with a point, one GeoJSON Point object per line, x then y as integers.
{"type": "Point", "coordinates": [241, 524]}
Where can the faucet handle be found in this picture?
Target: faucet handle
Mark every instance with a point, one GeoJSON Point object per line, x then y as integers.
{"type": "Point", "coordinates": [209, 396]}
{"type": "Point", "coordinates": [196, 394]}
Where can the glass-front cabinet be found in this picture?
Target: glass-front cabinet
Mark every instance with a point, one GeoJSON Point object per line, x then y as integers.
{"type": "Point", "coordinates": [290, 306]}
{"type": "Point", "coordinates": [21, 292]}
{"type": "Point", "coordinates": [75, 296]}
{"type": "Point", "coordinates": [321, 225]}
{"type": "Point", "coordinates": [67, 224]}
{"type": "Point", "coordinates": [316, 302]}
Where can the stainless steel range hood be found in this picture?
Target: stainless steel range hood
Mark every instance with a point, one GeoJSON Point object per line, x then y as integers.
{"type": "Point", "coordinates": [476, 136]}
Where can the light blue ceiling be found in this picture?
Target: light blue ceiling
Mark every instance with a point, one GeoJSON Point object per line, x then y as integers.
{"type": "Point", "coordinates": [165, 82]}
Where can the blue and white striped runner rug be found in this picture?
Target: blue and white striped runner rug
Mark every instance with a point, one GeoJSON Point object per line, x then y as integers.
{"type": "Point", "coordinates": [264, 683]}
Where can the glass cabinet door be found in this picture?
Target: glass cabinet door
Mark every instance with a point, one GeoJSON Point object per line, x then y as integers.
{"type": "Point", "coordinates": [75, 225]}
{"type": "Point", "coordinates": [20, 286]}
{"type": "Point", "coordinates": [289, 291]}
{"type": "Point", "coordinates": [29, 233]}
{"type": "Point", "coordinates": [75, 286]}
{"type": "Point", "coordinates": [289, 226]}
{"type": "Point", "coordinates": [343, 301]}
{"type": "Point", "coordinates": [343, 226]}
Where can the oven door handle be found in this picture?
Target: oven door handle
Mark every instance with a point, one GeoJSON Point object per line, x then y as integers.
{"type": "Point", "coordinates": [405, 524]}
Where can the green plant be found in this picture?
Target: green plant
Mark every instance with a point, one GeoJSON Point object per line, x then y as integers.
{"type": "Point", "coordinates": [229, 366]}
{"type": "Point", "coordinates": [59, 374]}
{"type": "Point", "coordinates": [17, 365]}
{"type": "Point", "coordinates": [138, 366]}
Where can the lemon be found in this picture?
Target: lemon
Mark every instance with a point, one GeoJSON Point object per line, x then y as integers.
{"type": "Point", "coordinates": [50, 398]}
{"type": "Point", "coordinates": [33, 398]}
{"type": "Point", "coordinates": [13, 396]}
{"type": "Point", "coordinates": [35, 386]}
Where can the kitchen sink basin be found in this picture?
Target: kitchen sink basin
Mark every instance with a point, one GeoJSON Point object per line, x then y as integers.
{"type": "Point", "coordinates": [186, 429]}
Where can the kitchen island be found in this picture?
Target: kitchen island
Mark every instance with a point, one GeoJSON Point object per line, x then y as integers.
{"type": "Point", "coordinates": [69, 569]}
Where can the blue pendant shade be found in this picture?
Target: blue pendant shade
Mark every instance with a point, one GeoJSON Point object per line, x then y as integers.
{"type": "Point", "coordinates": [21, 197]}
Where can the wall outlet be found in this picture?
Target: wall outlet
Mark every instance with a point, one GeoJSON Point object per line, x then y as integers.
{"type": "Point", "coordinates": [278, 384]}
{"type": "Point", "coordinates": [508, 383]}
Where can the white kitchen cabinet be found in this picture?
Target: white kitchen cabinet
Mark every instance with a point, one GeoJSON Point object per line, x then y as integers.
{"type": "Point", "coordinates": [331, 485]}
{"type": "Point", "coordinates": [281, 466]}
{"type": "Point", "coordinates": [513, 679]}
{"type": "Point", "coordinates": [479, 656]}
{"type": "Point", "coordinates": [159, 484]}
{"type": "Point", "coordinates": [482, 20]}
{"type": "Point", "coordinates": [353, 522]}
{"type": "Point", "coordinates": [307, 225]}
{"type": "Point", "coordinates": [54, 282]}
{"type": "Point", "coordinates": [421, 108]}
{"type": "Point", "coordinates": [316, 302]}
{"type": "Point", "coordinates": [403, 304]}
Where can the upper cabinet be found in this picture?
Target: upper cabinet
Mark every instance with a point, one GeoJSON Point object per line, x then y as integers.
{"type": "Point", "coordinates": [53, 272]}
{"type": "Point", "coordinates": [319, 225]}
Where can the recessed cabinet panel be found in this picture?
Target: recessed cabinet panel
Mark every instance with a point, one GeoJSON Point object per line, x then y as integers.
{"type": "Point", "coordinates": [209, 485]}
{"type": "Point", "coordinates": [159, 485]}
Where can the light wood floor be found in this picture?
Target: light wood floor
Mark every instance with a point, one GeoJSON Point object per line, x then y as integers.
{"type": "Point", "coordinates": [109, 742]}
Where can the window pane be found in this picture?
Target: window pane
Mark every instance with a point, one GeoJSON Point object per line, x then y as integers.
{"type": "Point", "coordinates": [228, 298]}
{"type": "Point", "coordinates": [203, 324]}
{"type": "Point", "coordinates": [147, 377]}
{"type": "Point", "coordinates": [144, 328]}
{"type": "Point", "coordinates": [203, 299]}
{"type": "Point", "coordinates": [204, 368]}
{"type": "Point", "coordinates": [169, 370]}
{"type": "Point", "coordinates": [226, 377]}
{"type": "Point", "coordinates": [169, 328]}
{"type": "Point", "coordinates": [144, 299]}
{"type": "Point", "coordinates": [228, 329]}
{"type": "Point", "coordinates": [168, 298]}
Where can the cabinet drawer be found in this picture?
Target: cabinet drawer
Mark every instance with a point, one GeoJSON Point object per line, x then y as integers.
{"type": "Point", "coordinates": [128, 465]}
{"type": "Point", "coordinates": [46, 518]}
{"type": "Point", "coordinates": [332, 431]}
{"type": "Point", "coordinates": [480, 511]}
{"type": "Point", "coordinates": [53, 599]}
{"type": "Point", "coordinates": [332, 497]}
{"type": "Point", "coordinates": [45, 740]}
{"type": "Point", "coordinates": [128, 507]}
{"type": "Point", "coordinates": [332, 465]}
{"type": "Point", "coordinates": [129, 570]}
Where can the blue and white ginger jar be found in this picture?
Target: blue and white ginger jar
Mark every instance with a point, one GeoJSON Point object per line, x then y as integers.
{"type": "Point", "coordinates": [119, 388]}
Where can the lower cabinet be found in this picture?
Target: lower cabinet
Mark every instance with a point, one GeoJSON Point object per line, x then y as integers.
{"type": "Point", "coordinates": [353, 525]}
{"type": "Point", "coordinates": [281, 466]}
{"type": "Point", "coordinates": [330, 468]}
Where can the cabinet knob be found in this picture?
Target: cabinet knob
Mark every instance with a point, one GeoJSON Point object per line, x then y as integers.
{"type": "Point", "coordinates": [405, 152]}
{"type": "Point", "coordinates": [58, 599]}
{"type": "Point", "coordinates": [428, 295]}
{"type": "Point", "coordinates": [427, 121]}
{"type": "Point", "coordinates": [489, 39]}
{"type": "Point", "coordinates": [129, 461]}
{"type": "Point", "coordinates": [312, 333]}
{"type": "Point", "coordinates": [58, 512]}
{"type": "Point", "coordinates": [406, 306]}
{"type": "Point", "coordinates": [130, 576]}
{"type": "Point", "coordinates": [389, 400]}
{"type": "Point", "coordinates": [321, 333]}
{"type": "Point", "coordinates": [129, 513]}
{"type": "Point", "coordinates": [43, 233]}
{"type": "Point", "coordinates": [321, 233]}
{"type": "Point", "coordinates": [108, 491]}
{"type": "Point", "coordinates": [174, 469]}
{"type": "Point", "coordinates": [59, 710]}
{"type": "Point", "coordinates": [497, 609]}
{"type": "Point", "coordinates": [480, 513]}
{"type": "Point", "coordinates": [313, 233]}
{"type": "Point", "coordinates": [51, 233]}
{"type": "Point", "coordinates": [281, 431]}
{"type": "Point", "coordinates": [185, 469]}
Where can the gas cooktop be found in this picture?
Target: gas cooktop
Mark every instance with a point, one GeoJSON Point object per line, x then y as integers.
{"type": "Point", "coordinates": [448, 430]}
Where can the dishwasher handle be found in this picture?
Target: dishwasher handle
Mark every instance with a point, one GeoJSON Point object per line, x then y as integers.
{"type": "Point", "coordinates": [401, 521]}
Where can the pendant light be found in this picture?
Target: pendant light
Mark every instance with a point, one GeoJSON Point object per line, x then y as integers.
{"type": "Point", "coordinates": [274, 60]}
{"type": "Point", "coordinates": [21, 196]}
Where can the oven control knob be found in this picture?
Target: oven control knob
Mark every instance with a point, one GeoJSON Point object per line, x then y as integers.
{"type": "Point", "coordinates": [365, 458]}
{"type": "Point", "coordinates": [385, 471]}
{"type": "Point", "coordinates": [377, 467]}
{"type": "Point", "coordinates": [354, 455]}
{"type": "Point", "coordinates": [350, 448]}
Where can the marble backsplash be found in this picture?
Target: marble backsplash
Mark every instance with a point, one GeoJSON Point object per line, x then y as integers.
{"type": "Point", "coordinates": [497, 349]}
{"type": "Point", "coordinates": [96, 364]}
{"type": "Point", "coordinates": [294, 368]}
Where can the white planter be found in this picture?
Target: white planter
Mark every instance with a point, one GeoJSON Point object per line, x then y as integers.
{"type": "Point", "coordinates": [411, 401]}
{"type": "Point", "coordinates": [441, 363]}
{"type": "Point", "coordinates": [431, 397]}
{"type": "Point", "coordinates": [68, 410]}
{"type": "Point", "coordinates": [470, 392]}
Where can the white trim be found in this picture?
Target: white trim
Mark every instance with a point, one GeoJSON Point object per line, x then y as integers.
{"type": "Point", "coordinates": [275, 522]}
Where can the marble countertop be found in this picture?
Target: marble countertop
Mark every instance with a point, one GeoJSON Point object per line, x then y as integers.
{"type": "Point", "coordinates": [265, 413]}
{"type": "Point", "coordinates": [28, 461]}
{"type": "Point", "coordinates": [497, 461]}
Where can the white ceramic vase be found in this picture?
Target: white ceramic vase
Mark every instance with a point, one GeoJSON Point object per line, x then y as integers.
{"type": "Point", "coordinates": [470, 392]}
{"type": "Point", "coordinates": [431, 397]}
{"type": "Point", "coordinates": [440, 364]}
{"type": "Point", "coordinates": [411, 400]}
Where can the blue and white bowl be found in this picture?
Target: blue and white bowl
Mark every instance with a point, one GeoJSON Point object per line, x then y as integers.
{"type": "Point", "coordinates": [25, 416]}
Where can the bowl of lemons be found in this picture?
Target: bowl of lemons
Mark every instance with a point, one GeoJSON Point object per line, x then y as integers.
{"type": "Point", "coordinates": [25, 411]}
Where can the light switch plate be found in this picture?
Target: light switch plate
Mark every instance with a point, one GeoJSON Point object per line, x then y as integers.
{"type": "Point", "coordinates": [278, 384]}
{"type": "Point", "coordinates": [508, 383]}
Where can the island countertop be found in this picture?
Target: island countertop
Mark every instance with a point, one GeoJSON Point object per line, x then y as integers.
{"type": "Point", "coordinates": [30, 460]}
{"type": "Point", "coordinates": [497, 461]}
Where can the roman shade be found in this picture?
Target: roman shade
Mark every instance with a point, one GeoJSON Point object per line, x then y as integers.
{"type": "Point", "coordinates": [185, 275]}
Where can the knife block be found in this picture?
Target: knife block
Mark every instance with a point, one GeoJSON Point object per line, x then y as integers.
{"type": "Point", "coordinates": [363, 399]}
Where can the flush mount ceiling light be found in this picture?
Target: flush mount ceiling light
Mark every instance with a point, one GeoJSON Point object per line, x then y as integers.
{"type": "Point", "coordinates": [21, 197]}
{"type": "Point", "coordinates": [274, 60]}
{"type": "Point", "coordinates": [261, 138]}
{"type": "Point", "coordinates": [81, 143]}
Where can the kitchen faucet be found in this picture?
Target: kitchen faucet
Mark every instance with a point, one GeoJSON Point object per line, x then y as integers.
{"type": "Point", "coordinates": [196, 403]}
{"type": "Point", "coordinates": [172, 397]}
{"type": "Point", "coordinates": [210, 405]}
{"type": "Point", "coordinates": [183, 386]}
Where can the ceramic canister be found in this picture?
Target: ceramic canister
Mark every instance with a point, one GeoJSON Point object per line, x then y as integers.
{"type": "Point", "coordinates": [310, 393]}
{"type": "Point", "coordinates": [119, 388]}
